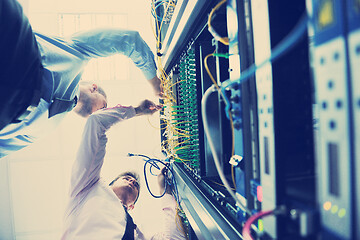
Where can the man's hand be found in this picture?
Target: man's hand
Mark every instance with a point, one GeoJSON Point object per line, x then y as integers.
{"type": "Point", "coordinates": [147, 107]}
{"type": "Point", "coordinates": [156, 84]}
{"type": "Point", "coordinates": [162, 182]}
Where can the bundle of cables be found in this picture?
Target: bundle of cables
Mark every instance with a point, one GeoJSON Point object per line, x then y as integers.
{"type": "Point", "coordinates": [168, 5]}
{"type": "Point", "coordinates": [170, 182]}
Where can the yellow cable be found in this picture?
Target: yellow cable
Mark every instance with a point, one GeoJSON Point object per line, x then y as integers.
{"type": "Point", "coordinates": [178, 219]}
{"type": "Point", "coordinates": [223, 40]}
{"type": "Point", "coordinates": [162, 21]}
{"type": "Point", "coordinates": [210, 75]}
{"type": "Point", "coordinates": [156, 21]}
{"type": "Point", "coordinates": [208, 70]}
{"type": "Point", "coordinates": [230, 115]}
{"type": "Point", "coordinates": [177, 83]}
{"type": "Point", "coordinates": [178, 209]}
{"type": "Point", "coordinates": [170, 121]}
{"type": "Point", "coordinates": [159, 128]}
{"type": "Point", "coordinates": [232, 148]}
{"type": "Point", "coordinates": [220, 184]}
{"type": "Point", "coordinates": [181, 159]}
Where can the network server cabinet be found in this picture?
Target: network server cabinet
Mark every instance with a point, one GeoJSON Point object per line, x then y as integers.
{"type": "Point", "coordinates": [186, 43]}
{"type": "Point", "coordinates": [285, 119]}
{"type": "Point", "coordinates": [336, 50]}
{"type": "Point", "coordinates": [353, 39]}
{"type": "Point", "coordinates": [267, 117]}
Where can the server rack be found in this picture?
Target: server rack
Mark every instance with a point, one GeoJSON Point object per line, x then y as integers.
{"type": "Point", "coordinates": [277, 124]}
{"type": "Point", "coordinates": [285, 115]}
{"type": "Point", "coordinates": [183, 60]}
{"type": "Point", "coordinates": [335, 32]}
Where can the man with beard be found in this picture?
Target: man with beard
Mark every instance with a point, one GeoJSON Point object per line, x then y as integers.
{"type": "Point", "coordinates": [40, 75]}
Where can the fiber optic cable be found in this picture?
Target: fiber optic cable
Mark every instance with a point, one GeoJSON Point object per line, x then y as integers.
{"type": "Point", "coordinates": [223, 40]}
{"type": "Point", "coordinates": [220, 184]}
{"type": "Point", "coordinates": [246, 229]}
{"type": "Point", "coordinates": [228, 110]}
{"type": "Point", "coordinates": [178, 124]}
{"type": "Point", "coordinates": [213, 150]}
{"type": "Point", "coordinates": [280, 210]}
{"type": "Point", "coordinates": [283, 47]}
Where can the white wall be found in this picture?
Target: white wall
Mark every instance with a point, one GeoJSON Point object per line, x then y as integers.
{"type": "Point", "coordinates": [34, 181]}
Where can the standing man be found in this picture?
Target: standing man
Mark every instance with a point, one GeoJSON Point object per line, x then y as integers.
{"type": "Point", "coordinates": [96, 210]}
{"type": "Point", "coordinates": [40, 75]}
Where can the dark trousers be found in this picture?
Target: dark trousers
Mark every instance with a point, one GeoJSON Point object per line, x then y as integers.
{"type": "Point", "coordinates": [20, 63]}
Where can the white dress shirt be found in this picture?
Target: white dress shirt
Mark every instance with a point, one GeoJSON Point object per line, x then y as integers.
{"type": "Point", "coordinates": [94, 211]}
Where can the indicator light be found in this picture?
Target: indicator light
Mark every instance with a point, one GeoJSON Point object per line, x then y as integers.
{"type": "Point", "coordinates": [334, 209]}
{"type": "Point", "coordinates": [342, 213]}
{"type": "Point", "coordinates": [327, 205]}
{"type": "Point", "coordinates": [259, 193]}
{"type": "Point", "coordinates": [260, 225]}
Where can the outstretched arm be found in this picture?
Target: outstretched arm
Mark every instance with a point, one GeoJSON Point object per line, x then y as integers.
{"type": "Point", "coordinates": [109, 41]}
{"type": "Point", "coordinates": [90, 156]}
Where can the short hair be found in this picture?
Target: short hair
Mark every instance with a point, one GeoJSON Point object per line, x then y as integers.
{"type": "Point", "coordinates": [131, 174]}
{"type": "Point", "coordinates": [101, 91]}
{"type": "Point", "coordinates": [99, 88]}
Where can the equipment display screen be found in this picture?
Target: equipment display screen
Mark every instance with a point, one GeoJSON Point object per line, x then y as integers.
{"type": "Point", "coordinates": [266, 155]}
{"type": "Point", "coordinates": [333, 157]}
{"type": "Point", "coordinates": [326, 14]}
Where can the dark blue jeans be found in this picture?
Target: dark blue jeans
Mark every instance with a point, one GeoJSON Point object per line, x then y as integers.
{"type": "Point", "coordinates": [20, 63]}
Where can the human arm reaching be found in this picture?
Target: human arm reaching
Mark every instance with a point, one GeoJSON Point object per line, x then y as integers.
{"type": "Point", "coordinates": [110, 41]}
{"type": "Point", "coordinates": [90, 156]}
{"type": "Point", "coordinates": [162, 181]}
{"type": "Point", "coordinates": [147, 107]}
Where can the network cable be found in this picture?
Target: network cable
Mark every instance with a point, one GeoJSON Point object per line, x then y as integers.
{"type": "Point", "coordinates": [170, 125]}
{"type": "Point", "coordinates": [170, 181]}
{"type": "Point", "coordinates": [246, 228]}
{"type": "Point", "coordinates": [223, 40]}
{"type": "Point", "coordinates": [283, 47]}
{"type": "Point", "coordinates": [225, 55]}
{"type": "Point", "coordinates": [213, 150]}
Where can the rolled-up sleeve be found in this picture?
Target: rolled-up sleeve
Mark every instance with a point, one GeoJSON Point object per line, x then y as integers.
{"type": "Point", "coordinates": [107, 42]}
{"type": "Point", "coordinates": [90, 156]}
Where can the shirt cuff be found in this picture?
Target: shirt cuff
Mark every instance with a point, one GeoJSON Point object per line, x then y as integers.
{"type": "Point", "coordinates": [130, 109]}
{"type": "Point", "coordinates": [132, 112]}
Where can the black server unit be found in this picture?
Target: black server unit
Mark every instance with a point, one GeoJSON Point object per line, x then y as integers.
{"type": "Point", "coordinates": [242, 106]}
{"type": "Point", "coordinates": [285, 120]}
